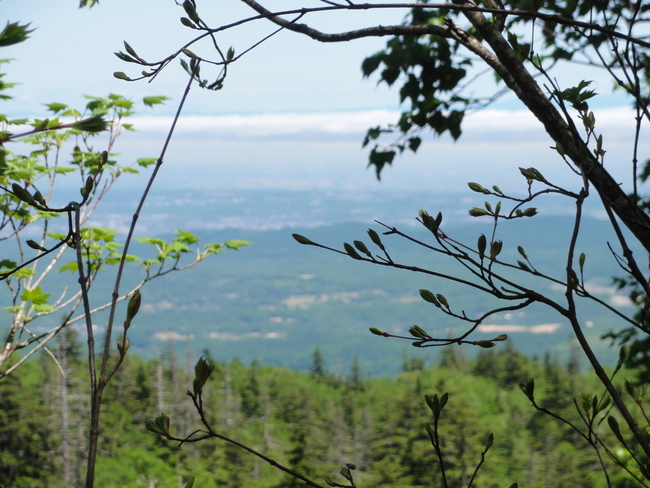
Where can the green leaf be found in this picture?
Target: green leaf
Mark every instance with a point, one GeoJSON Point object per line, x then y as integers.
{"type": "Point", "coordinates": [185, 237]}
{"type": "Point", "coordinates": [145, 162]}
{"type": "Point", "coordinates": [235, 244]}
{"type": "Point", "coordinates": [36, 296]}
{"type": "Point", "coordinates": [92, 124]}
{"type": "Point", "coordinates": [14, 33]}
{"type": "Point", "coordinates": [56, 107]}
{"type": "Point", "coordinates": [154, 100]}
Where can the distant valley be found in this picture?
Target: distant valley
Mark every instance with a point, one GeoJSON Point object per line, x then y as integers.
{"type": "Point", "coordinates": [276, 300]}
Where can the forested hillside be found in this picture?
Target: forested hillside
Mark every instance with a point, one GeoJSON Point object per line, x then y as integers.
{"type": "Point", "coordinates": [314, 422]}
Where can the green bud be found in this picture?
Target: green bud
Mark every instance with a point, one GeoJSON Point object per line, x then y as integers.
{"type": "Point", "coordinates": [417, 331]}
{"type": "Point", "coordinates": [427, 296]}
{"type": "Point", "coordinates": [442, 300]}
{"type": "Point", "coordinates": [303, 240]}
{"type": "Point", "coordinates": [477, 188]}
{"type": "Point", "coordinates": [485, 344]}
{"type": "Point", "coordinates": [529, 389]}
{"type": "Point", "coordinates": [478, 212]}
{"type": "Point", "coordinates": [529, 212]}
{"type": "Point", "coordinates": [187, 23]}
{"type": "Point", "coordinates": [38, 196]}
{"type": "Point", "coordinates": [488, 441]}
{"type": "Point", "coordinates": [90, 183]}
{"type": "Point", "coordinates": [123, 347]}
{"type": "Point", "coordinates": [22, 194]}
{"type": "Point", "coordinates": [482, 244]}
{"type": "Point", "coordinates": [378, 332]}
{"type": "Point", "coordinates": [230, 54]}
{"type": "Point", "coordinates": [351, 252]}
{"type": "Point", "coordinates": [202, 372]}
{"type": "Point", "coordinates": [524, 266]}
{"type": "Point", "coordinates": [521, 251]}
{"type": "Point", "coordinates": [374, 237]}
{"type": "Point", "coordinates": [190, 10]}
{"type": "Point", "coordinates": [35, 245]}
{"type": "Point", "coordinates": [362, 247]}
{"type": "Point", "coordinates": [500, 338]}
{"type": "Point", "coordinates": [613, 424]}
{"type": "Point", "coordinates": [495, 249]}
{"type": "Point", "coordinates": [121, 75]}
{"type": "Point", "coordinates": [130, 50]}
{"type": "Point", "coordinates": [134, 306]}
{"type": "Point", "coordinates": [189, 53]}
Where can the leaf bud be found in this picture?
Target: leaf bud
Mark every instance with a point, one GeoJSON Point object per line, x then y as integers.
{"type": "Point", "coordinates": [187, 23]}
{"type": "Point", "coordinates": [134, 306]}
{"type": "Point", "coordinates": [35, 245]}
{"type": "Point", "coordinates": [427, 296]}
{"type": "Point", "coordinates": [477, 188]}
{"type": "Point", "coordinates": [90, 183]}
{"type": "Point", "coordinates": [351, 251]}
{"type": "Point", "coordinates": [521, 251]}
{"type": "Point", "coordinates": [376, 331]}
{"type": "Point", "coordinates": [495, 249]}
{"type": "Point", "coordinates": [417, 331]}
{"type": "Point", "coordinates": [613, 424]}
{"type": "Point", "coordinates": [190, 10]}
{"type": "Point", "coordinates": [478, 212]}
{"type": "Point", "coordinates": [303, 240]}
{"type": "Point", "coordinates": [529, 389]}
{"type": "Point", "coordinates": [121, 75]}
{"type": "Point", "coordinates": [489, 440]}
{"type": "Point", "coordinates": [189, 53]}
{"type": "Point", "coordinates": [529, 212]}
{"type": "Point", "coordinates": [443, 301]}
{"type": "Point", "coordinates": [500, 338]}
{"type": "Point", "coordinates": [482, 244]}
{"type": "Point", "coordinates": [485, 344]}
{"type": "Point", "coordinates": [362, 247]}
{"type": "Point", "coordinates": [523, 266]}
{"type": "Point", "coordinates": [38, 196]}
{"type": "Point", "coordinates": [374, 237]}
{"type": "Point", "coordinates": [22, 194]}
{"type": "Point", "coordinates": [122, 347]}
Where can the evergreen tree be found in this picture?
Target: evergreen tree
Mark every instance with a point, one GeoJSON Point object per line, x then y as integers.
{"type": "Point", "coordinates": [26, 438]}
{"type": "Point", "coordinates": [317, 367]}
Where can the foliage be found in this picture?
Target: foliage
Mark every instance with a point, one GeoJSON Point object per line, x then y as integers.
{"type": "Point", "coordinates": [317, 425]}
{"type": "Point", "coordinates": [29, 185]}
{"type": "Point", "coordinates": [432, 52]}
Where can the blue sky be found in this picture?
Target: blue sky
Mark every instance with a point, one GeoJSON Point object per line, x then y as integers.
{"type": "Point", "coordinates": [293, 111]}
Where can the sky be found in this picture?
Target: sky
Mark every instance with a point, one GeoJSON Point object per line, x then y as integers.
{"type": "Point", "coordinates": [293, 111]}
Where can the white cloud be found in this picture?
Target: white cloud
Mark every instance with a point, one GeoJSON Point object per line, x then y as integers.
{"type": "Point", "coordinates": [516, 126]}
